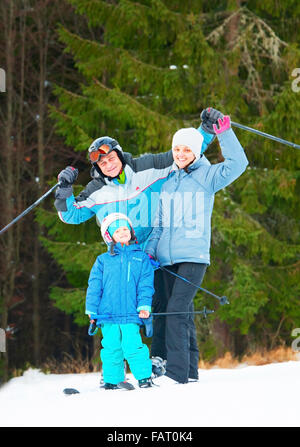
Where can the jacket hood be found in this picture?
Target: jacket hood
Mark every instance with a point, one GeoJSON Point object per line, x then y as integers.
{"type": "Point", "coordinates": [107, 221]}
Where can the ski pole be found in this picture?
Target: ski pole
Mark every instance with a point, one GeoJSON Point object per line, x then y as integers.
{"type": "Point", "coordinates": [30, 208]}
{"type": "Point", "coordinates": [223, 299]}
{"type": "Point", "coordinates": [263, 134]}
{"type": "Point", "coordinates": [205, 312]}
{"type": "Point", "coordinates": [93, 329]}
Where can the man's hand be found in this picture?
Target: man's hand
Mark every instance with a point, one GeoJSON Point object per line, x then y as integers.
{"type": "Point", "coordinates": [67, 176]}
{"type": "Point", "coordinates": [210, 117]}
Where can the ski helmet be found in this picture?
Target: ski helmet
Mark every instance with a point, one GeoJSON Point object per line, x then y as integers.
{"type": "Point", "coordinates": [103, 146]}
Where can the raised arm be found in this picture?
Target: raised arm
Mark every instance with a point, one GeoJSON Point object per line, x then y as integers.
{"type": "Point", "coordinates": [73, 210]}
{"type": "Point", "coordinates": [148, 161]}
{"type": "Point", "coordinates": [220, 175]}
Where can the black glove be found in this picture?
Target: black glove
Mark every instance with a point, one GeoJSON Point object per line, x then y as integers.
{"type": "Point", "coordinates": [209, 117]}
{"type": "Point", "coordinates": [67, 176]}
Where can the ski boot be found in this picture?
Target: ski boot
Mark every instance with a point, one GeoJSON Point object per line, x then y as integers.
{"type": "Point", "coordinates": [109, 386]}
{"type": "Point", "coordinates": [158, 366]}
{"type": "Point", "coordinates": [145, 383]}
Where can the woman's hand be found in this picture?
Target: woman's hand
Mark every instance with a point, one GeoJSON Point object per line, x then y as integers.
{"type": "Point", "coordinates": [224, 124]}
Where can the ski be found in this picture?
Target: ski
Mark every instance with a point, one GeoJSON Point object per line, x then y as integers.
{"type": "Point", "coordinates": [120, 386]}
{"type": "Point", "coordinates": [69, 391]}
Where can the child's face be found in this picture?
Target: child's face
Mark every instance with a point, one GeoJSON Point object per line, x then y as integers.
{"type": "Point", "coordinates": [122, 235]}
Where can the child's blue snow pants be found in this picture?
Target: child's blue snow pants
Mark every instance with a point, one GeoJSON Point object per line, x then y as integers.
{"type": "Point", "coordinates": [123, 341]}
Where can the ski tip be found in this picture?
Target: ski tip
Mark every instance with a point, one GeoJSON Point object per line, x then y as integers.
{"type": "Point", "coordinates": [69, 391]}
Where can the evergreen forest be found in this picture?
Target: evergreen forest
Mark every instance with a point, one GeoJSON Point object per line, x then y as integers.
{"type": "Point", "coordinates": [138, 70]}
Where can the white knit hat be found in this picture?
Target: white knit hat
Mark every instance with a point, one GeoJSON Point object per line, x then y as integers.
{"type": "Point", "coordinates": [190, 137]}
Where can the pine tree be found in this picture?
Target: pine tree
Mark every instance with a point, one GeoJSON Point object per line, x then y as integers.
{"type": "Point", "coordinates": [151, 67]}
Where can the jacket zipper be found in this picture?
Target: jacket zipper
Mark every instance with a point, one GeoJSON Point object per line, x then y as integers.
{"type": "Point", "coordinates": [128, 271]}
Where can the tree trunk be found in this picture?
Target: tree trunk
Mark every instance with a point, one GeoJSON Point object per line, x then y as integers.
{"type": "Point", "coordinates": [8, 266]}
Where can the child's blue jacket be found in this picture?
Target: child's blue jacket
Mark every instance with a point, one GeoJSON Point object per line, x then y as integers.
{"type": "Point", "coordinates": [119, 285]}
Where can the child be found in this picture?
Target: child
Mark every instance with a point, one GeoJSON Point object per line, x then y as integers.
{"type": "Point", "coordinates": [119, 295]}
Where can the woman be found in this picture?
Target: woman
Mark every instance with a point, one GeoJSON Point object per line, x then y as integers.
{"type": "Point", "coordinates": [180, 240]}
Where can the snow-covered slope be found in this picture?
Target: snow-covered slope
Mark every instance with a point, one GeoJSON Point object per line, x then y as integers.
{"type": "Point", "coordinates": [266, 395]}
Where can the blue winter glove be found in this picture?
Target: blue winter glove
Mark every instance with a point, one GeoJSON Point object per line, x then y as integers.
{"type": "Point", "coordinates": [155, 264]}
{"type": "Point", "coordinates": [148, 326]}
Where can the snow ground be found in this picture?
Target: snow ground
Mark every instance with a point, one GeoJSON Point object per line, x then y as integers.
{"type": "Point", "coordinates": [246, 396]}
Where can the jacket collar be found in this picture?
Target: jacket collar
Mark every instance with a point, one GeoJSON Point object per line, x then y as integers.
{"type": "Point", "coordinates": [118, 248]}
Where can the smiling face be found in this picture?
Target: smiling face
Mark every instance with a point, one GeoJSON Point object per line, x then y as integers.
{"type": "Point", "coordinates": [183, 156]}
{"type": "Point", "coordinates": [122, 235]}
{"type": "Point", "coordinates": [110, 164]}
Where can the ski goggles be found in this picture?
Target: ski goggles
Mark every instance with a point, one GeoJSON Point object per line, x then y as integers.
{"type": "Point", "coordinates": [95, 155]}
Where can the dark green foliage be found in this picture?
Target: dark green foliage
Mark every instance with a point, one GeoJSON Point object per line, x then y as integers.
{"type": "Point", "coordinates": [151, 68]}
